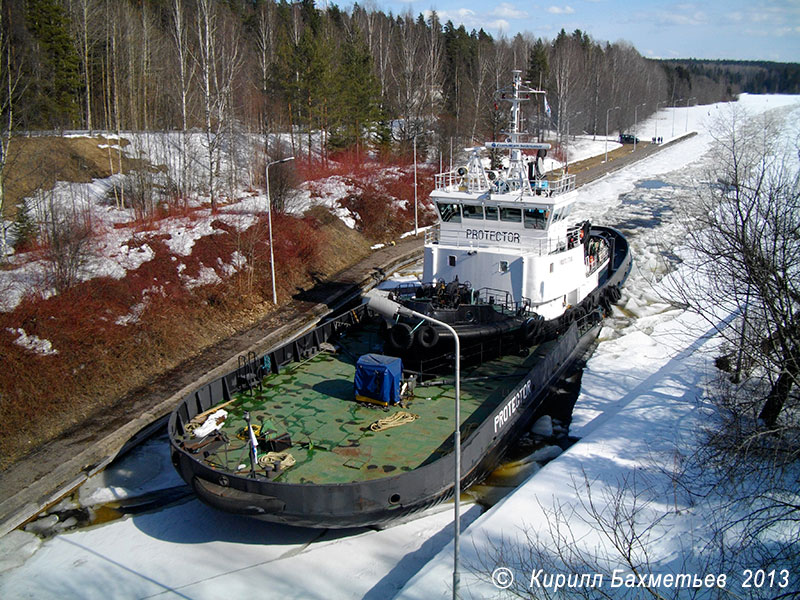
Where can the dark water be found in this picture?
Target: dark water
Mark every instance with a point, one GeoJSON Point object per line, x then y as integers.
{"type": "Point", "coordinates": [643, 210]}
{"type": "Point", "coordinates": [652, 184]}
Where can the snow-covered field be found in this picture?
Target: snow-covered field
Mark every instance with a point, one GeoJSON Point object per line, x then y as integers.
{"type": "Point", "coordinates": [637, 405]}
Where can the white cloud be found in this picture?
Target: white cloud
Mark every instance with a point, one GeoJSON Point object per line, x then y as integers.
{"type": "Point", "coordinates": [509, 11]}
{"type": "Point", "coordinates": [559, 10]}
{"type": "Point", "coordinates": [498, 25]}
{"type": "Point", "coordinates": [472, 20]}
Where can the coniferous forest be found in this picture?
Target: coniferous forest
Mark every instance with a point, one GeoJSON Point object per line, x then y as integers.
{"type": "Point", "coordinates": [359, 75]}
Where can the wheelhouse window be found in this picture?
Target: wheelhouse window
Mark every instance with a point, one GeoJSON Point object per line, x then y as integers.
{"type": "Point", "coordinates": [504, 266]}
{"type": "Point", "coordinates": [561, 213]}
{"type": "Point", "coordinates": [451, 260]}
{"type": "Point", "coordinates": [450, 213]}
{"type": "Point", "coordinates": [510, 215]}
{"type": "Point", "coordinates": [491, 213]}
{"type": "Point", "coordinates": [536, 218]}
{"type": "Point", "coordinates": [471, 211]}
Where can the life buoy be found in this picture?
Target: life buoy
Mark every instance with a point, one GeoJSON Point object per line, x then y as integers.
{"type": "Point", "coordinates": [427, 336]}
{"type": "Point", "coordinates": [401, 337]}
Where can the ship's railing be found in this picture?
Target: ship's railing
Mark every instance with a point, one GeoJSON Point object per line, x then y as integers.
{"type": "Point", "coordinates": [462, 180]}
{"type": "Point", "coordinates": [432, 234]}
{"type": "Point", "coordinates": [562, 185]}
{"type": "Point", "coordinates": [502, 301]}
{"type": "Point", "coordinates": [597, 258]}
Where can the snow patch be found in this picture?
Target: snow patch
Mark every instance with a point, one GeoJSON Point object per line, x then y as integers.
{"type": "Point", "coordinates": [33, 343]}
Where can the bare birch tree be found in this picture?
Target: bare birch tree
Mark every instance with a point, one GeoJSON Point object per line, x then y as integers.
{"type": "Point", "coordinates": [746, 251]}
{"type": "Point", "coordinates": [218, 60]}
{"type": "Point", "coordinates": [84, 17]}
{"type": "Point", "coordinates": [10, 78]}
{"type": "Point", "coordinates": [180, 35]}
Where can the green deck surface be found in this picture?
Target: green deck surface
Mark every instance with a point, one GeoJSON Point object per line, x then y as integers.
{"type": "Point", "coordinates": [314, 403]}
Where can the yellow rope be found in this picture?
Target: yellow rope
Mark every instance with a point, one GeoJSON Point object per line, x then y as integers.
{"type": "Point", "coordinates": [285, 459]}
{"type": "Point", "coordinates": [244, 435]}
{"type": "Point", "coordinates": [397, 419]}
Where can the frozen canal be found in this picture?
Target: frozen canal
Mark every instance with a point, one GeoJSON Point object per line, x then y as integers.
{"type": "Point", "coordinates": [186, 550]}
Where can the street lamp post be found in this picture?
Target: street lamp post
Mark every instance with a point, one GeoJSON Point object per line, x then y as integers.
{"type": "Point", "coordinates": [269, 214]}
{"type": "Point", "coordinates": [607, 113]}
{"type": "Point", "coordinates": [635, 122]}
{"type": "Point", "coordinates": [566, 149]}
{"type": "Point", "coordinates": [416, 221]}
{"type": "Point", "coordinates": [656, 136]}
{"type": "Point", "coordinates": [687, 113]}
{"type": "Point", "coordinates": [674, 104]}
{"type": "Point", "coordinates": [389, 308]}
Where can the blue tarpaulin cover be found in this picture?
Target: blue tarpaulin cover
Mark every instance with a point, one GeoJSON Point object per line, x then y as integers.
{"type": "Point", "coordinates": [378, 378]}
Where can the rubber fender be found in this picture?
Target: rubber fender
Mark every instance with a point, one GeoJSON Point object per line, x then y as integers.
{"type": "Point", "coordinates": [566, 319]}
{"type": "Point", "coordinates": [578, 313]}
{"type": "Point", "coordinates": [400, 336]}
{"type": "Point", "coordinates": [236, 501]}
{"type": "Point", "coordinates": [427, 336]}
{"type": "Point", "coordinates": [531, 329]}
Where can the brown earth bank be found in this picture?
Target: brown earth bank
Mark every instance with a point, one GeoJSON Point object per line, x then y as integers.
{"type": "Point", "coordinates": [99, 362]}
{"type": "Point", "coordinates": [35, 164]}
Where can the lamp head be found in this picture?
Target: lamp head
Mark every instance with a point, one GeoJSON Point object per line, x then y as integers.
{"type": "Point", "coordinates": [383, 306]}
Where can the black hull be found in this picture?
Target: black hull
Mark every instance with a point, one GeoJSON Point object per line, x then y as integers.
{"type": "Point", "coordinates": [379, 501]}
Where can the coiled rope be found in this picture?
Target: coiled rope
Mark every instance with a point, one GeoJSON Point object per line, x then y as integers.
{"type": "Point", "coordinates": [397, 419]}
{"type": "Point", "coordinates": [284, 460]}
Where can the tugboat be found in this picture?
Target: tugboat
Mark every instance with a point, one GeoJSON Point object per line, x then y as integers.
{"type": "Point", "coordinates": [352, 423]}
{"type": "Point", "coordinates": [505, 265]}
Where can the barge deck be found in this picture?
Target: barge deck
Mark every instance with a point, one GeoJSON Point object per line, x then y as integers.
{"type": "Point", "coordinates": [312, 402]}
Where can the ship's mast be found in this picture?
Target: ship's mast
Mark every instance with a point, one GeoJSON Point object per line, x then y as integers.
{"type": "Point", "coordinates": [514, 125]}
{"type": "Point", "coordinates": [516, 95]}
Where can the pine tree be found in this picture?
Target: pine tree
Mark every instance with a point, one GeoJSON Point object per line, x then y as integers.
{"type": "Point", "coordinates": [538, 67]}
{"type": "Point", "coordinates": [56, 80]}
{"type": "Point", "coordinates": [357, 100]}
{"type": "Point", "coordinates": [24, 226]}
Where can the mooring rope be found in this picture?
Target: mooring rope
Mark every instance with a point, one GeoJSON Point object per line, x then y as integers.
{"type": "Point", "coordinates": [397, 419]}
{"type": "Point", "coordinates": [284, 459]}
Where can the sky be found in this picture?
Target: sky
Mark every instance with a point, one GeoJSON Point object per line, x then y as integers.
{"type": "Point", "coordinates": [709, 29]}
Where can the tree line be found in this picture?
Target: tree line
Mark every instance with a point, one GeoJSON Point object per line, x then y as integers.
{"type": "Point", "coordinates": [359, 76]}
{"type": "Point", "coordinates": [752, 77]}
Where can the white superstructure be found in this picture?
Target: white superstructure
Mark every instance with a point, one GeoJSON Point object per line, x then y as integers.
{"type": "Point", "coordinates": [509, 229]}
